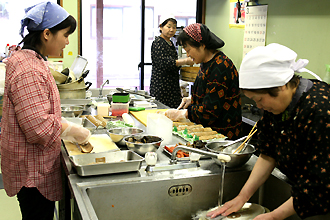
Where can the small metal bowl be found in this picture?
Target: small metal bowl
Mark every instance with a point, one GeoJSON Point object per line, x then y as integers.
{"type": "Point", "coordinates": [237, 159]}
{"type": "Point", "coordinates": [142, 148]}
{"type": "Point", "coordinates": [117, 134]}
{"type": "Point", "coordinates": [71, 110]}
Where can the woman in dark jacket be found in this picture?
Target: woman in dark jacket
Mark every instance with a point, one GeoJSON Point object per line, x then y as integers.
{"type": "Point", "coordinates": [215, 100]}
{"type": "Point", "coordinates": [293, 133]}
{"type": "Point", "coordinates": [164, 83]}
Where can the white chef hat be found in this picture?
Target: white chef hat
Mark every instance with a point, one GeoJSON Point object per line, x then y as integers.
{"type": "Point", "coordinates": [270, 66]}
{"type": "Point", "coordinates": [164, 17]}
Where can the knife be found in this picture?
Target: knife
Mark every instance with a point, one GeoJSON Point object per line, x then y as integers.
{"type": "Point", "coordinates": [78, 146]}
{"type": "Point", "coordinates": [129, 91]}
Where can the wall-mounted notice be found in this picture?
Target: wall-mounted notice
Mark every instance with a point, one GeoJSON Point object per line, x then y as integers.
{"type": "Point", "coordinates": [237, 14]}
{"type": "Point", "coordinates": [255, 27]}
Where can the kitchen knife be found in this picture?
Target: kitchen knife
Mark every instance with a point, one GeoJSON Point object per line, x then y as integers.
{"type": "Point", "coordinates": [129, 91]}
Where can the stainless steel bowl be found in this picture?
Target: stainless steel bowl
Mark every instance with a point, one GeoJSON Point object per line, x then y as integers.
{"type": "Point", "coordinates": [117, 134]}
{"type": "Point", "coordinates": [142, 148]}
{"type": "Point", "coordinates": [71, 110]}
{"type": "Point", "coordinates": [237, 159]}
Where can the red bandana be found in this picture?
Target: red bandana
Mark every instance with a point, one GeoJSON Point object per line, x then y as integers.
{"type": "Point", "coordinates": [194, 31]}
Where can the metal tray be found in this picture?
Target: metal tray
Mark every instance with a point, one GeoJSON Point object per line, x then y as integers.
{"type": "Point", "coordinates": [183, 158]}
{"type": "Point", "coordinates": [76, 101]}
{"type": "Point", "coordinates": [114, 162]}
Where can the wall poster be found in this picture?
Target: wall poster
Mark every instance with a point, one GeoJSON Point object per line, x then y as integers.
{"type": "Point", "coordinates": [255, 27]}
{"type": "Point", "coordinates": [237, 14]}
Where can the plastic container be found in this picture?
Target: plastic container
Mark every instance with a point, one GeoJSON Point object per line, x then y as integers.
{"type": "Point", "coordinates": [161, 126]}
{"type": "Point", "coordinates": [7, 50]}
{"type": "Point", "coordinates": [103, 109]}
{"type": "Point", "coordinates": [120, 97]}
{"type": "Point", "coordinates": [118, 109]}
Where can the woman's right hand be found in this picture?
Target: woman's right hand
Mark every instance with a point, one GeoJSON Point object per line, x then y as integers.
{"type": "Point", "coordinates": [75, 133]}
{"type": "Point", "coordinates": [229, 207]}
{"type": "Point", "coordinates": [186, 101]}
{"type": "Point", "coordinates": [189, 61]}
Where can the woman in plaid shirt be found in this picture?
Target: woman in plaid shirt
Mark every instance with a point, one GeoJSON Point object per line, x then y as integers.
{"type": "Point", "coordinates": [31, 124]}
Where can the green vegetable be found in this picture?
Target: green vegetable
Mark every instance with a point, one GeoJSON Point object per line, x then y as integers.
{"type": "Point", "coordinates": [117, 124]}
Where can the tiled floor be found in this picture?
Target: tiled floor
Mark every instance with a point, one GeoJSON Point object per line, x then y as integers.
{"type": "Point", "coordinates": [9, 208]}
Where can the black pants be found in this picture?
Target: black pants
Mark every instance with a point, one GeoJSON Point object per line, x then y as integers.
{"type": "Point", "coordinates": [34, 205]}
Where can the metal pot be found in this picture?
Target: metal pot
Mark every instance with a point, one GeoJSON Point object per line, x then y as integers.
{"type": "Point", "coordinates": [73, 93]}
{"type": "Point", "coordinates": [78, 84]}
{"type": "Point", "coordinates": [237, 159]}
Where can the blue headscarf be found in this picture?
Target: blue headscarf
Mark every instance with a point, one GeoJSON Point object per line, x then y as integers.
{"type": "Point", "coordinates": [42, 16]}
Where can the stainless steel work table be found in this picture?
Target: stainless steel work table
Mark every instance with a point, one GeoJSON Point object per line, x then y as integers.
{"type": "Point", "coordinates": [234, 180]}
{"type": "Point", "coordinates": [83, 207]}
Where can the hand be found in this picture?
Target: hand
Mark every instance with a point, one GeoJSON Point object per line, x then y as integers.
{"type": "Point", "coordinates": [76, 133]}
{"type": "Point", "coordinates": [229, 207]}
{"type": "Point", "coordinates": [176, 115]}
{"type": "Point", "coordinates": [189, 61]}
{"type": "Point", "coordinates": [186, 101]}
{"type": "Point", "coordinates": [266, 216]}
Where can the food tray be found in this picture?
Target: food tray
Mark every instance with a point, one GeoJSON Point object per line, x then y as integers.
{"type": "Point", "coordinates": [115, 162]}
{"type": "Point", "coordinates": [170, 154]}
{"type": "Point", "coordinates": [76, 101]}
{"type": "Point", "coordinates": [183, 158]}
{"type": "Point", "coordinates": [191, 139]}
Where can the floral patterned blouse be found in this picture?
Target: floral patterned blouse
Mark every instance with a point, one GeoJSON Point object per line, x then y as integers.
{"type": "Point", "coordinates": [216, 100]}
{"type": "Point", "coordinates": [299, 141]}
{"type": "Point", "coordinates": [164, 82]}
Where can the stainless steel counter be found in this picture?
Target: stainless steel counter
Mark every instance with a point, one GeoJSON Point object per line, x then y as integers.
{"type": "Point", "coordinates": [125, 195]}
{"type": "Point", "coordinates": [205, 176]}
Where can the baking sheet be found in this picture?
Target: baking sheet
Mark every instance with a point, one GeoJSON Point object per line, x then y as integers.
{"type": "Point", "coordinates": [113, 162]}
{"type": "Point", "coordinates": [100, 142]}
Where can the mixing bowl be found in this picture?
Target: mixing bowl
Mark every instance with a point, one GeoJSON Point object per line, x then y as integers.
{"type": "Point", "coordinates": [71, 110]}
{"type": "Point", "coordinates": [237, 159]}
{"type": "Point", "coordinates": [117, 134]}
{"type": "Point", "coordinates": [142, 144]}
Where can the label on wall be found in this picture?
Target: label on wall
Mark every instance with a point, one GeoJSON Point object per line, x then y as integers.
{"type": "Point", "coordinates": [255, 27]}
{"type": "Point", "coordinates": [237, 14]}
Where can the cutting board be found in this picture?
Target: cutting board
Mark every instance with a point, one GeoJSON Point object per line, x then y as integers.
{"type": "Point", "coordinates": [100, 142]}
{"type": "Point", "coordinates": [141, 116]}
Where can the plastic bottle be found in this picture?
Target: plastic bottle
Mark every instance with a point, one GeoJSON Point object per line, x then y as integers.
{"type": "Point", "coordinates": [7, 50]}
{"type": "Point", "coordinates": [327, 74]}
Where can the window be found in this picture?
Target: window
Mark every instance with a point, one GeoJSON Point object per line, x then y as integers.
{"type": "Point", "coordinates": [11, 13]}
{"type": "Point", "coordinates": [122, 38]}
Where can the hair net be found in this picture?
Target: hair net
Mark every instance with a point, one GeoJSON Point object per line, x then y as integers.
{"type": "Point", "coordinates": [270, 66]}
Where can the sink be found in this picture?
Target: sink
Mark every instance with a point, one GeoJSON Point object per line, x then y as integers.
{"type": "Point", "coordinates": [162, 194]}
